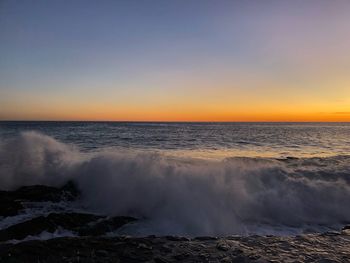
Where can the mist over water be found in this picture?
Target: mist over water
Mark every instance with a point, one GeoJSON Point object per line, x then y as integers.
{"type": "Point", "coordinates": [184, 195]}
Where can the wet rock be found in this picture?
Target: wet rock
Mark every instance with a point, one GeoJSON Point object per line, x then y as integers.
{"type": "Point", "coordinates": [181, 256]}
{"type": "Point", "coordinates": [38, 193]}
{"type": "Point", "coordinates": [9, 207]}
{"type": "Point", "coordinates": [166, 249]}
{"type": "Point", "coordinates": [332, 233]}
{"type": "Point", "coordinates": [70, 191]}
{"type": "Point", "coordinates": [258, 249]}
{"type": "Point", "coordinates": [206, 238]}
{"type": "Point", "coordinates": [346, 227]}
{"type": "Point", "coordinates": [83, 224]}
{"type": "Point", "coordinates": [144, 246]}
{"type": "Point", "coordinates": [11, 201]}
{"type": "Point", "coordinates": [176, 238]}
{"type": "Point", "coordinates": [42, 193]}
{"type": "Point", "coordinates": [161, 260]}
{"type": "Point", "coordinates": [101, 253]}
{"type": "Point", "coordinates": [105, 225]}
{"type": "Point", "coordinates": [222, 246]}
{"type": "Point", "coordinates": [226, 259]}
{"type": "Point", "coordinates": [346, 232]}
{"type": "Point", "coordinates": [50, 223]}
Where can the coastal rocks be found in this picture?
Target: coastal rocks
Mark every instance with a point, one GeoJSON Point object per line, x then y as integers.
{"type": "Point", "coordinates": [223, 246]}
{"type": "Point", "coordinates": [347, 227]}
{"type": "Point", "coordinates": [89, 238]}
{"type": "Point", "coordinates": [8, 206]}
{"type": "Point", "coordinates": [104, 225]}
{"type": "Point", "coordinates": [82, 224]}
{"type": "Point", "coordinates": [48, 223]}
{"type": "Point", "coordinates": [346, 230]}
{"type": "Point", "coordinates": [257, 249]}
{"type": "Point", "coordinates": [11, 201]}
{"type": "Point", "coordinates": [28, 212]}
{"type": "Point", "coordinates": [42, 193]}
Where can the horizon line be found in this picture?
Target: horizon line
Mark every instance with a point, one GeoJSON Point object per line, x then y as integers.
{"type": "Point", "coordinates": [159, 121]}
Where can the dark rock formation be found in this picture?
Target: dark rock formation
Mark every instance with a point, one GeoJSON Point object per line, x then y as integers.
{"type": "Point", "coordinates": [92, 244]}
{"type": "Point", "coordinates": [104, 225]}
{"type": "Point", "coordinates": [82, 224]}
{"type": "Point", "coordinates": [42, 193]}
{"type": "Point", "coordinates": [11, 201]}
{"type": "Point", "coordinates": [8, 206]}
{"type": "Point", "coordinates": [347, 227]}
{"type": "Point", "coordinates": [306, 248]}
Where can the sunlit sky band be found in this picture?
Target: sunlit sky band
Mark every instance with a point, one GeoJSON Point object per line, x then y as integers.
{"type": "Point", "coordinates": [175, 60]}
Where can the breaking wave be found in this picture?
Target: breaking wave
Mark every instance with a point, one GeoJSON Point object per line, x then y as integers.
{"type": "Point", "coordinates": [187, 196]}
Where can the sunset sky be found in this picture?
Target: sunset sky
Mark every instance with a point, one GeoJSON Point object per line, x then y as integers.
{"type": "Point", "coordinates": [180, 60]}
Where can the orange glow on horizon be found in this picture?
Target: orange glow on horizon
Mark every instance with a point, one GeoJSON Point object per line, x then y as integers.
{"type": "Point", "coordinates": [221, 106]}
{"type": "Point", "coordinates": [232, 61]}
{"type": "Point", "coordinates": [183, 116]}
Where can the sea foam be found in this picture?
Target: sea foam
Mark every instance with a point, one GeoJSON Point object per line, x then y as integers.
{"type": "Point", "coordinates": [183, 195]}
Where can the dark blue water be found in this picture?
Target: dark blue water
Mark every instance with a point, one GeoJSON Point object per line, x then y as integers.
{"type": "Point", "coordinates": [206, 140]}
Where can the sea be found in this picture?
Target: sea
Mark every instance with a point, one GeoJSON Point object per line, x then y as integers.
{"type": "Point", "coordinates": [190, 178]}
{"type": "Point", "coordinates": [202, 140]}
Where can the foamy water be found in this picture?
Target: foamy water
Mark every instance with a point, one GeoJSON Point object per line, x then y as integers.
{"type": "Point", "coordinates": [180, 194]}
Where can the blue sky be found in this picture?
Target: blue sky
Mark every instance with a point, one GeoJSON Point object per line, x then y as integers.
{"type": "Point", "coordinates": [174, 60]}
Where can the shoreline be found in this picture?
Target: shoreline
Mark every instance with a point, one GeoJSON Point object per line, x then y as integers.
{"type": "Point", "coordinates": [89, 238]}
{"type": "Point", "coordinates": [327, 247]}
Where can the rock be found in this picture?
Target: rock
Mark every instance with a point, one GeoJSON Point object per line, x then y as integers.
{"type": "Point", "coordinates": [10, 201]}
{"type": "Point", "coordinates": [144, 246]}
{"type": "Point", "coordinates": [221, 245]}
{"type": "Point", "coordinates": [38, 193]}
{"type": "Point", "coordinates": [105, 225]}
{"type": "Point", "coordinates": [166, 248]}
{"type": "Point", "coordinates": [83, 224]}
{"type": "Point", "coordinates": [9, 207]}
{"type": "Point", "coordinates": [205, 238]}
{"type": "Point", "coordinates": [101, 253]}
{"type": "Point", "coordinates": [332, 233]}
{"type": "Point", "coordinates": [346, 227]}
{"type": "Point", "coordinates": [42, 193]}
{"type": "Point", "coordinates": [50, 223]}
{"type": "Point", "coordinates": [226, 260]}
{"type": "Point", "coordinates": [70, 191]}
{"type": "Point", "coordinates": [346, 232]}
{"type": "Point", "coordinates": [176, 238]}
{"type": "Point", "coordinates": [160, 260]}
{"type": "Point", "coordinates": [258, 249]}
{"type": "Point", "coordinates": [92, 246]}
{"type": "Point", "coordinates": [181, 256]}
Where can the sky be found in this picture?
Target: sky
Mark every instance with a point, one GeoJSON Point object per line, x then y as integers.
{"type": "Point", "coordinates": [178, 60]}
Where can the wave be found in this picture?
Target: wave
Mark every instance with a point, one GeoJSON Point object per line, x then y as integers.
{"type": "Point", "coordinates": [184, 195]}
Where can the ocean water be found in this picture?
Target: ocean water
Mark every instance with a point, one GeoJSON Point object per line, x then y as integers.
{"type": "Point", "coordinates": [191, 178]}
{"type": "Point", "coordinates": [203, 140]}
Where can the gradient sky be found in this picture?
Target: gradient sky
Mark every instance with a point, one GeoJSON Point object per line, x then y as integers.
{"type": "Point", "coordinates": [177, 60]}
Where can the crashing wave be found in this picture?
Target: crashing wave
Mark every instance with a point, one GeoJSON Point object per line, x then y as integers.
{"type": "Point", "coordinates": [184, 195]}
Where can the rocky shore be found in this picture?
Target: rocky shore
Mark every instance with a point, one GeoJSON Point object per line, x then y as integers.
{"type": "Point", "coordinates": [328, 247]}
{"type": "Point", "coordinates": [71, 236]}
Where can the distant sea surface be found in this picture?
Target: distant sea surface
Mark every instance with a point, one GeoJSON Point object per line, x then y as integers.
{"type": "Point", "coordinates": [203, 140]}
